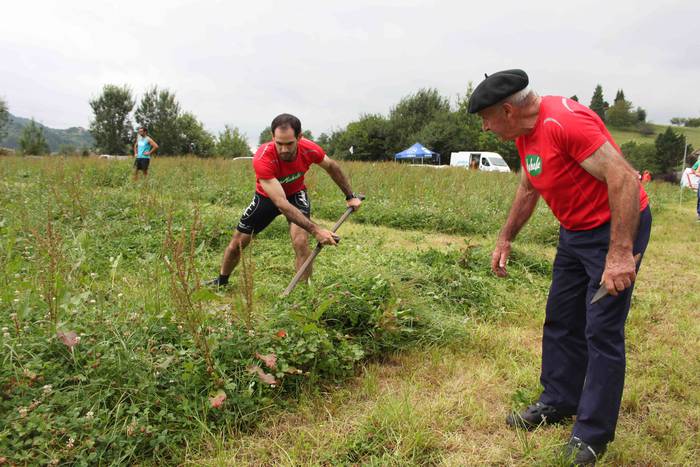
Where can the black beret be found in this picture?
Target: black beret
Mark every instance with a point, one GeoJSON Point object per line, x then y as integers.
{"type": "Point", "coordinates": [497, 87]}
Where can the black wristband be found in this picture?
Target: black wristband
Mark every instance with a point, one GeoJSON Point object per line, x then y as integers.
{"type": "Point", "coordinates": [350, 196]}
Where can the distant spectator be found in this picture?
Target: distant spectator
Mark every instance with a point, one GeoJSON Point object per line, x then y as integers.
{"type": "Point", "coordinates": [696, 169]}
{"type": "Point", "coordinates": [144, 147]}
{"type": "Point", "coordinates": [646, 176]}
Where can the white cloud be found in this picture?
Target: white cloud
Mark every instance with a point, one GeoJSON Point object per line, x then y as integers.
{"type": "Point", "coordinates": [329, 61]}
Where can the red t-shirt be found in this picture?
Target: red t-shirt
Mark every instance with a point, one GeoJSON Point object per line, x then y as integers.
{"type": "Point", "coordinates": [267, 165]}
{"type": "Point", "coordinates": [566, 133]}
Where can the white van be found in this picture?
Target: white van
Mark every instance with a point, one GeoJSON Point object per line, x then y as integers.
{"type": "Point", "coordinates": [487, 161]}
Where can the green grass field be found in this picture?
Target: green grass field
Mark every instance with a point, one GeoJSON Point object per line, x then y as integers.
{"type": "Point", "coordinates": [404, 349]}
{"type": "Point", "coordinates": [623, 136]}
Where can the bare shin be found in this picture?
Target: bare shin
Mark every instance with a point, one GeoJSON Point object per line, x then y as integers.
{"type": "Point", "coordinates": [232, 255]}
{"type": "Point", "coordinates": [300, 243]}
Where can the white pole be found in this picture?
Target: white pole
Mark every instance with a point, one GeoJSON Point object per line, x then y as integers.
{"type": "Point", "coordinates": [685, 153]}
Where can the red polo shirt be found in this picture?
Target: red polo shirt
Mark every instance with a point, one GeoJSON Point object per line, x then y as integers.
{"type": "Point", "coordinates": [268, 165]}
{"type": "Point", "coordinates": [567, 133]}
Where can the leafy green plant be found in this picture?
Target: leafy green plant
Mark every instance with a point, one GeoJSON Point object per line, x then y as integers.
{"type": "Point", "coordinates": [137, 363]}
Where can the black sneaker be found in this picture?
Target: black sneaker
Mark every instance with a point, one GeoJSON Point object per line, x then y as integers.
{"type": "Point", "coordinates": [214, 283]}
{"type": "Point", "coordinates": [581, 453]}
{"type": "Point", "coordinates": [536, 415]}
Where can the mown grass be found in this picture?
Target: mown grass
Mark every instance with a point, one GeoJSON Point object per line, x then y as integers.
{"type": "Point", "coordinates": [446, 406]}
{"type": "Point", "coordinates": [155, 351]}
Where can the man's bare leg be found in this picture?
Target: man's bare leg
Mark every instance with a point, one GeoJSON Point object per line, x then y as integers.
{"type": "Point", "coordinates": [232, 255]}
{"type": "Point", "coordinates": [300, 243]}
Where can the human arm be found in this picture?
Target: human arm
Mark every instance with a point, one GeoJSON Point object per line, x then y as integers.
{"type": "Point", "coordinates": [526, 198]}
{"type": "Point", "coordinates": [340, 179]}
{"type": "Point", "coordinates": [136, 148]}
{"type": "Point", "coordinates": [275, 192]}
{"type": "Point", "coordinates": [609, 166]}
{"type": "Point", "coordinates": [154, 147]}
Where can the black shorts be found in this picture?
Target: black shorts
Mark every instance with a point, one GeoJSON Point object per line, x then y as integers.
{"type": "Point", "coordinates": [261, 211]}
{"type": "Point", "coordinates": [141, 163]}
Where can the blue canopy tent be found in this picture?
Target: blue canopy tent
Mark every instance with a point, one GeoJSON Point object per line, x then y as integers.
{"type": "Point", "coordinates": [417, 151]}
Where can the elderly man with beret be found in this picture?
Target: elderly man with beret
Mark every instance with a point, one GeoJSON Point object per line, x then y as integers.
{"type": "Point", "coordinates": [569, 159]}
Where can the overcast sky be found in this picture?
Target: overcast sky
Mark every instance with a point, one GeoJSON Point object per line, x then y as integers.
{"type": "Point", "coordinates": [241, 63]}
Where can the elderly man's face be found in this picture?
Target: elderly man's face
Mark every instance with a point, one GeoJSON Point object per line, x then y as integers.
{"type": "Point", "coordinates": [500, 119]}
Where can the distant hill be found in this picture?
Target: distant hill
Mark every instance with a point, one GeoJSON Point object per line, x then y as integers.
{"type": "Point", "coordinates": [75, 137]}
{"type": "Point", "coordinates": [623, 135]}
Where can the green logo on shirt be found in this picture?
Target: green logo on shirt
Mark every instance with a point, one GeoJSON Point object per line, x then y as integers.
{"type": "Point", "coordinates": [290, 178]}
{"type": "Point", "coordinates": [533, 164]}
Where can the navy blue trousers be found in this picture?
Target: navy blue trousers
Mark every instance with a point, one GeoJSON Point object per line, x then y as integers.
{"type": "Point", "coordinates": [583, 345]}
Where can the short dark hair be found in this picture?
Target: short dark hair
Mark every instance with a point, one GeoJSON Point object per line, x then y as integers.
{"type": "Point", "coordinates": [143, 128]}
{"type": "Point", "coordinates": [284, 121]}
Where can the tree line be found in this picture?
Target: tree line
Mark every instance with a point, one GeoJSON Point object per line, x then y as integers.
{"type": "Point", "coordinates": [425, 116]}
{"type": "Point", "coordinates": [32, 139]}
{"type": "Point", "coordinates": [621, 114]}
{"type": "Point", "coordinates": [688, 122]}
{"type": "Point", "coordinates": [428, 117]}
{"type": "Point", "coordinates": [176, 131]}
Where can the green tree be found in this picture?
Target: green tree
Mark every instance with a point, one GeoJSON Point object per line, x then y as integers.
{"type": "Point", "coordinates": [689, 122]}
{"type": "Point", "coordinates": [642, 156]}
{"type": "Point", "coordinates": [620, 115]}
{"type": "Point", "coordinates": [67, 150]}
{"type": "Point", "coordinates": [265, 136]}
{"type": "Point", "coordinates": [472, 134]}
{"type": "Point", "coordinates": [368, 138]}
{"type": "Point", "coordinates": [32, 140]}
{"type": "Point", "coordinates": [111, 126]}
{"type": "Point", "coordinates": [641, 115]}
{"type": "Point", "coordinates": [619, 96]}
{"type": "Point", "coordinates": [232, 143]}
{"type": "Point", "coordinates": [323, 140]}
{"type": "Point", "coordinates": [411, 114]}
{"type": "Point", "coordinates": [669, 150]}
{"type": "Point", "coordinates": [4, 118]}
{"type": "Point", "coordinates": [334, 144]}
{"type": "Point", "coordinates": [574, 98]}
{"type": "Point", "coordinates": [159, 112]}
{"type": "Point", "coordinates": [194, 139]}
{"type": "Point", "coordinates": [598, 104]}
{"type": "Point", "coordinates": [448, 133]}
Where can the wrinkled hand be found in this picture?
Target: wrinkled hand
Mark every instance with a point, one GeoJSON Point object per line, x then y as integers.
{"type": "Point", "coordinates": [499, 258]}
{"type": "Point", "coordinates": [620, 271]}
{"type": "Point", "coordinates": [325, 237]}
{"type": "Point", "coordinates": [354, 203]}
